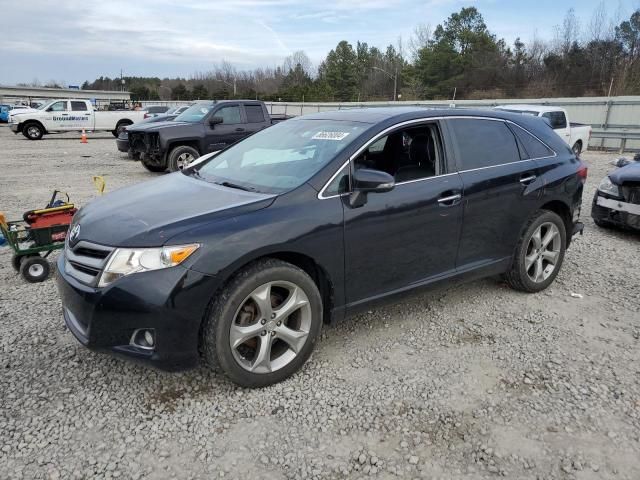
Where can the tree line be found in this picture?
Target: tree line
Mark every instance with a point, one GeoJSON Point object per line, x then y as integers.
{"type": "Point", "coordinates": [459, 58]}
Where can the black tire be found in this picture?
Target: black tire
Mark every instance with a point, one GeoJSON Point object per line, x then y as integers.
{"type": "Point", "coordinates": [602, 224]}
{"type": "Point", "coordinates": [152, 167]}
{"type": "Point", "coordinates": [32, 130]}
{"type": "Point", "coordinates": [577, 148]}
{"type": "Point", "coordinates": [215, 344]}
{"type": "Point", "coordinates": [16, 260]}
{"type": "Point", "coordinates": [175, 162]}
{"type": "Point", "coordinates": [517, 276]}
{"type": "Point", "coordinates": [35, 269]}
{"type": "Point", "coordinates": [120, 127]}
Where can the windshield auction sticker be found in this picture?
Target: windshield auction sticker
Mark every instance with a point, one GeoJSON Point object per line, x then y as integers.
{"type": "Point", "coordinates": [337, 136]}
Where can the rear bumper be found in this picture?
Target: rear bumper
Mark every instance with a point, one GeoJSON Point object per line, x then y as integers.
{"type": "Point", "coordinates": [171, 302]}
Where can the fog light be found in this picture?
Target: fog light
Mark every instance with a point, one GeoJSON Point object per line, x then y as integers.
{"type": "Point", "coordinates": [144, 338]}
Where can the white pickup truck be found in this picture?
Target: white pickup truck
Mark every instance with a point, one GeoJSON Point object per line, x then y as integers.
{"type": "Point", "coordinates": [576, 135]}
{"type": "Point", "coordinates": [69, 116]}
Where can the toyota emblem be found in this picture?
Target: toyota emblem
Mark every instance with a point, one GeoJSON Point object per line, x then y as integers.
{"type": "Point", "coordinates": [75, 231]}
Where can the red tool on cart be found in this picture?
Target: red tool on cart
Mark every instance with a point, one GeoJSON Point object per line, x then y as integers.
{"type": "Point", "coordinates": [40, 232]}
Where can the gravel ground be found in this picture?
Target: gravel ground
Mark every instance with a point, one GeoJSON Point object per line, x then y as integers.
{"type": "Point", "coordinates": [476, 381]}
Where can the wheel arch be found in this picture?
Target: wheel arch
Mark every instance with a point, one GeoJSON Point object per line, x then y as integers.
{"type": "Point", "coordinates": [193, 143]}
{"type": "Point", "coordinates": [317, 272]}
{"type": "Point", "coordinates": [563, 210]}
{"type": "Point", "coordinates": [30, 121]}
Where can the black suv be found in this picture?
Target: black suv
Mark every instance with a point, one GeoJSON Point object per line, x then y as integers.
{"type": "Point", "coordinates": [206, 126]}
{"type": "Point", "coordinates": [241, 257]}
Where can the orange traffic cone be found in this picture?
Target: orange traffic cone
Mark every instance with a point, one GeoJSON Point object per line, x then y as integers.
{"type": "Point", "coordinates": [83, 138]}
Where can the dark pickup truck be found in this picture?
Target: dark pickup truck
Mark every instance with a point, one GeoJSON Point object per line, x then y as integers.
{"type": "Point", "coordinates": [203, 128]}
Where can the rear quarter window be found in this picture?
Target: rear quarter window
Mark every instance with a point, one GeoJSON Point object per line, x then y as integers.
{"type": "Point", "coordinates": [483, 143]}
{"type": "Point", "coordinates": [533, 148]}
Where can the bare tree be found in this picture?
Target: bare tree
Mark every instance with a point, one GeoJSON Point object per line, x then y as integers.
{"type": "Point", "coordinates": [568, 33]}
{"type": "Point", "coordinates": [420, 38]}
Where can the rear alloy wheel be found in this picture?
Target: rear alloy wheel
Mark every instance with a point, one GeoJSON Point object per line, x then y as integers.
{"type": "Point", "coordinates": [539, 254]}
{"type": "Point", "coordinates": [33, 131]}
{"type": "Point", "coordinates": [264, 325]}
{"type": "Point", "coordinates": [181, 157]}
{"type": "Point", "coordinates": [35, 269]}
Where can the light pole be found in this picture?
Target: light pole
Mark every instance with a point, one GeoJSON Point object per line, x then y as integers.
{"type": "Point", "coordinates": [395, 80]}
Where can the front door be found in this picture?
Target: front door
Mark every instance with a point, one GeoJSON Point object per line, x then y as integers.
{"type": "Point", "coordinates": [231, 129]}
{"type": "Point", "coordinates": [500, 189]}
{"type": "Point", "coordinates": [409, 235]}
{"type": "Point", "coordinates": [57, 116]}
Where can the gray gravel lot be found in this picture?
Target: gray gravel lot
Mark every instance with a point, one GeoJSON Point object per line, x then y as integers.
{"type": "Point", "coordinates": [476, 381]}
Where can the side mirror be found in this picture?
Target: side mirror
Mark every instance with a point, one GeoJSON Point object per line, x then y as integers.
{"type": "Point", "coordinates": [213, 121]}
{"type": "Point", "coordinates": [369, 181]}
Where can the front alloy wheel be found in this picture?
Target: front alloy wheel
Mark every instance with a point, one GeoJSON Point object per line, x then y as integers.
{"type": "Point", "coordinates": [263, 325]}
{"type": "Point", "coordinates": [270, 327]}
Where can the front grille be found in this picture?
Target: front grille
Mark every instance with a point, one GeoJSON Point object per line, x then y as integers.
{"type": "Point", "coordinates": [144, 142]}
{"type": "Point", "coordinates": [631, 193]}
{"type": "Point", "coordinates": [85, 261]}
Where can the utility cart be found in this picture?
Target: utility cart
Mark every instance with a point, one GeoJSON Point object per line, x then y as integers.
{"type": "Point", "coordinates": [39, 233]}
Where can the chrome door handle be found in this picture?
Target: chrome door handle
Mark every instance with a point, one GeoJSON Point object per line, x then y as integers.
{"type": "Point", "coordinates": [450, 198]}
{"type": "Point", "coordinates": [527, 180]}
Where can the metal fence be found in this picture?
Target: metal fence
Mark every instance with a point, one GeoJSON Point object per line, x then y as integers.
{"type": "Point", "coordinates": [615, 120]}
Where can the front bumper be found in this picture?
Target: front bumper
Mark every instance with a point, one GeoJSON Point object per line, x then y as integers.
{"type": "Point", "coordinates": [122, 142]}
{"type": "Point", "coordinates": [171, 301]}
{"type": "Point", "coordinates": [615, 212]}
{"type": "Point", "coordinates": [15, 127]}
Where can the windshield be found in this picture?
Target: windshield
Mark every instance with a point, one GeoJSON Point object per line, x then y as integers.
{"type": "Point", "coordinates": [280, 157]}
{"type": "Point", "coordinates": [195, 113]}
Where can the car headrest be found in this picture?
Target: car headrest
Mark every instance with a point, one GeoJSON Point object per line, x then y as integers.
{"type": "Point", "coordinates": [422, 150]}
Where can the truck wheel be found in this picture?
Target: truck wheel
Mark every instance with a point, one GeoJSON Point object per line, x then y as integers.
{"type": "Point", "coordinates": [152, 167]}
{"type": "Point", "coordinates": [264, 324]}
{"type": "Point", "coordinates": [33, 131]}
{"type": "Point", "coordinates": [35, 269]}
{"type": "Point", "coordinates": [539, 253]}
{"type": "Point", "coordinates": [181, 157]}
{"type": "Point", "coordinates": [120, 128]}
{"type": "Point", "coordinates": [577, 148]}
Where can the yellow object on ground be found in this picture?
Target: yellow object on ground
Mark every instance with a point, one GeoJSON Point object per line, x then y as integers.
{"type": "Point", "coordinates": [100, 184]}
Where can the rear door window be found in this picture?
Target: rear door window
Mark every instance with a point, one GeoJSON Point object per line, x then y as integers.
{"type": "Point", "coordinates": [483, 143]}
{"type": "Point", "coordinates": [254, 113]}
{"type": "Point", "coordinates": [78, 106]}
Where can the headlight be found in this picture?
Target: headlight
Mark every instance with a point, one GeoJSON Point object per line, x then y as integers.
{"type": "Point", "coordinates": [125, 261]}
{"type": "Point", "coordinates": [608, 187]}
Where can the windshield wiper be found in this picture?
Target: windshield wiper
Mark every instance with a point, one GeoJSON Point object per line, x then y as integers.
{"type": "Point", "coordinates": [235, 185]}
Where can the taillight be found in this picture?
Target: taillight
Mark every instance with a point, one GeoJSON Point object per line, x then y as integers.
{"type": "Point", "coordinates": [582, 172]}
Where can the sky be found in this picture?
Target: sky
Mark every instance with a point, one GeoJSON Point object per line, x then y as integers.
{"type": "Point", "coordinates": [71, 40]}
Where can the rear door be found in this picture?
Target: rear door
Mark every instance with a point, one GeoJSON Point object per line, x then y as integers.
{"type": "Point", "coordinates": [232, 128]}
{"type": "Point", "coordinates": [256, 120]}
{"type": "Point", "coordinates": [81, 117]}
{"type": "Point", "coordinates": [500, 189]}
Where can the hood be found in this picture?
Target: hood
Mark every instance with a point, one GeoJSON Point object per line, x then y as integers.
{"type": "Point", "coordinates": [155, 126]}
{"type": "Point", "coordinates": [630, 173]}
{"type": "Point", "coordinates": [150, 213]}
